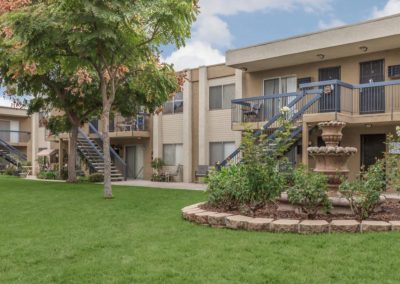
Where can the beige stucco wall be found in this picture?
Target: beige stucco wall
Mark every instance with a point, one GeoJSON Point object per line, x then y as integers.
{"type": "Point", "coordinates": [350, 70]}
{"type": "Point", "coordinates": [172, 128]}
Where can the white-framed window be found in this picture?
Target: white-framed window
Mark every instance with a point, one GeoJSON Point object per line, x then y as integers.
{"type": "Point", "coordinates": [280, 85]}
{"type": "Point", "coordinates": [173, 154]}
{"type": "Point", "coordinates": [174, 105]}
{"type": "Point", "coordinates": [219, 151]}
{"type": "Point", "coordinates": [220, 97]}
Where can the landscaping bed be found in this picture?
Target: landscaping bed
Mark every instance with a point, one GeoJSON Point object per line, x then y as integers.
{"type": "Point", "coordinates": [390, 210]}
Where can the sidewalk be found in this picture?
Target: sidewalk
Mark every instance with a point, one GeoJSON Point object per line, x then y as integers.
{"type": "Point", "coordinates": [168, 185]}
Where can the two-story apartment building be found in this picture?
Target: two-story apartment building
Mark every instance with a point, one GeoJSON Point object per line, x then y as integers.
{"type": "Point", "coordinates": [22, 138]}
{"type": "Point", "coordinates": [349, 73]}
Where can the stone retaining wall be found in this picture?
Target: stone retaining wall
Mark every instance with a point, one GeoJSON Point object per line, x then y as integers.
{"type": "Point", "coordinates": [197, 215]}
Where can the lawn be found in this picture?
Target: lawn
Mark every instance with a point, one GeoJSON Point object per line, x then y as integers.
{"type": "Point", "coordinates": [61, 233]}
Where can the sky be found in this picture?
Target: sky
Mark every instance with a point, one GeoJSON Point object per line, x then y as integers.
{"type": "Point", "coordinates": [229, 24]}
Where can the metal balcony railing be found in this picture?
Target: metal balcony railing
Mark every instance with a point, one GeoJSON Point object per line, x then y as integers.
{"type": "Point", "coordinates": [15, 137]}
{"type": "Point", "coordinates": [120, 123]}
{"type": "Point", "coordinates": [336, 97]}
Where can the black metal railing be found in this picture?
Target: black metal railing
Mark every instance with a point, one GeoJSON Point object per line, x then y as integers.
{"type": "Point", "coordinates": [15, 137]}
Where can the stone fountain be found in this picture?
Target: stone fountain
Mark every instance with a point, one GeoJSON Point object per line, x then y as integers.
{"type": "Point", "coordinates": [331, 159]}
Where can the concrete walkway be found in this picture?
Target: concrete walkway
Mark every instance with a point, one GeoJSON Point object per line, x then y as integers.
{"type": "Point", "coordinates": [168, 185]}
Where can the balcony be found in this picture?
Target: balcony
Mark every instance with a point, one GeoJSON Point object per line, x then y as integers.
{"type": "Point", "coordinates": [15, 138]}
{"type": "Point", "coordinates": [120, 126]}
{"type": "Point", "coordinates": [323, 101]}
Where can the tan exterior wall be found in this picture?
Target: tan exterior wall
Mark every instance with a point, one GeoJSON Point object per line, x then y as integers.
{"type": "Point", "coordinates": [172, 128]}
{"type": "Point", "coordinates": [350, 70]}
{"type": "Point", "coordinates": [195, 125]}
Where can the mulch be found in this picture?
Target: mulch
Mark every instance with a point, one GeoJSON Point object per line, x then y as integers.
{"type": "Point", "coordinates": [389, 211]}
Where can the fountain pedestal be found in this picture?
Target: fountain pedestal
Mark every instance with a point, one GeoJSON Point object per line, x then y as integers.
{"type": "Point", "coordinates": [331, 159]}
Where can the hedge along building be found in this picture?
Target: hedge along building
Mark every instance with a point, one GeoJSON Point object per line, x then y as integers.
{"type": "Point", "coordinates": [348, 74]}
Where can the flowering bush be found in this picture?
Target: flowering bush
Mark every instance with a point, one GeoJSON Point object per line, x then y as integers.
{"type": "Point", "coordinates": [364, 193]}
{"type": "Point", "coordinates": [258, 178]}
{"type": "Point", "coordinates": [310, 191]}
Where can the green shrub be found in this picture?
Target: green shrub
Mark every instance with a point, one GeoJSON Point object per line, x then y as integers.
{"type": "Point", "coordinates": [96, 177]}
{"type": "Point", "coordinates": [309, 190]}
{"type": "Point", "coordinates": [364, 192]}
{"type": "Point", "coordinates": [47, 175]}
{"type": "Point", "coordinates": [11, 171]}
{"type": "Point", "coordinates": [257, 179]}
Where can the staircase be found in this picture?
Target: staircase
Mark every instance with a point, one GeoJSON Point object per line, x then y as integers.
{"type": "Point", "coordinates": [295, 117]}
{"type": "Point", "coordinates": [94, 156]}
{"type": "Point", "coordinates": [11, 154]}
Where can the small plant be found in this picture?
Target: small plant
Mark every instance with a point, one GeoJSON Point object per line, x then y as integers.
{"type": "Point", "coordinates": [309, 190]}
{"type": "Point", "coordinates": [96, 177]}
{"type": "Point", "coordinates": [47, 175]}
{"type": "Point", "coordinates": [157, 164]}
{"type": "Point", "coordinates": [392, 160]}
{"type": "Point", "coordinates": [364, 192]}
{"type": "Point", "coordinates": [11, 171]}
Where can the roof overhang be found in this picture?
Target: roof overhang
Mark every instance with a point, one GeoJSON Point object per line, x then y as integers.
{"type": "Point", "coordinates": [376, 35]}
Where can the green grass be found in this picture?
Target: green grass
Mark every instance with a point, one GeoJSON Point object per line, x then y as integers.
{"type": "Point", "coordinates": [61, 233]}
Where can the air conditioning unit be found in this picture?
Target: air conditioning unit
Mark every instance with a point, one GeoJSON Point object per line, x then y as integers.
{"type": "Point", "coordinates": [394, 71]}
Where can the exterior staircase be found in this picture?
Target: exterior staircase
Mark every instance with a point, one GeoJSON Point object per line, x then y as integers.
{"type": "Point", "coordinates": [11, 154]}
{"type": "Point", "coordinates": [297, 111]}
{"type": "Point", "coordinates": [94, 156]}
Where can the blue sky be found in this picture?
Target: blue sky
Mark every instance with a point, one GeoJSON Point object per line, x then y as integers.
{"type": "Point", "coordinates": [228, 24]}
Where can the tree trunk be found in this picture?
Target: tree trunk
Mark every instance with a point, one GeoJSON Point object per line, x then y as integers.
{"type": "Point", "coordinates": [105, 118]}
{"type": "Point", "coordinates": [73, 137]}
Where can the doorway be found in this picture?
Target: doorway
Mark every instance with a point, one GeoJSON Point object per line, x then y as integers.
{"type": "Point", "coordinates": [330, 100]}
{"type": "Point", "coordinates": [134, 158]}
{"type": "Point", "coordinates": [372, 100]}
{"type": "Point", "coordinates": [373, 147]}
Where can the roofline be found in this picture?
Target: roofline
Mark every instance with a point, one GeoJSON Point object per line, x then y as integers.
{"type": "Point", "coordinates": [314, 33]}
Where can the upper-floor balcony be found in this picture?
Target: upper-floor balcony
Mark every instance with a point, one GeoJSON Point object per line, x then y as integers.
{"type": "Point", "coordinates": [323, 101]}
{"type": "Point", "coordinates": [15, 138]}
{"type": "Point", "coordinates": [120, 126]}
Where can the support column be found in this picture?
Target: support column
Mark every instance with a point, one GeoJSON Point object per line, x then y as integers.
{"type": "Point", "coordinates": [187, 128]}
{"type": "Point", "coordinates": [157, 136]}
{"type": "Point", "coordinates": [305, 140]}
{"type": "Point", "coordinates": [60, 154]}
{"type": "Point", "coordinates": [238, 95]}
{"type": "Point", "coordinates": [203, 109]}
{"type": "Point", "coordinates": [34, 142]}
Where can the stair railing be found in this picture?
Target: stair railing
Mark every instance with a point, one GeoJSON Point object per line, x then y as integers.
{"type": "Point", "coordinates": [93, 146]}
{"type": "Point", "coordinates": [13, 151]}
{"type": "Point", "coordinates": [118, 161]}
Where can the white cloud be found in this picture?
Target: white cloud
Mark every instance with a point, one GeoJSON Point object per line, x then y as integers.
{"type": "Point", "coordinates": [391, 7]}
{"type": "Point", "coordinates": [5, 102]}
{"type": "Point", "coordinates": [195, 54]}
{"type": "Point", "coordinates": [211, 34]}
{"type": "Point", "coordinates": [323, 25]}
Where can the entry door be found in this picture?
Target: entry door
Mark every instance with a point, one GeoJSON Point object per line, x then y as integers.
{"type": "Point", "coordinates": [373, 147]}
{"type": "Point", "coordinates": [330, 101]}
{"type": "Point", "coordinates": [130, 159]}
{"type": "Point", "coordinates": [372, 100]}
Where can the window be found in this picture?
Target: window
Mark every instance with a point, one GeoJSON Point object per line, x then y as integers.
{"type": "Point", "coordinates": [221, 96]}
{"type": "Point", "coordinates": [173, 154]}
{"type": "Point", "coordinates": [174, 105]}
{"type": "Point", "coordinates": [220, 150]}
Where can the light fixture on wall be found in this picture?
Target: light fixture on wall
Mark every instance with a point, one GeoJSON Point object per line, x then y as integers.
{"type": "Point", "coordinates": [363, 48]}
{"type": "Point", "coordinates": [244, 69]}
{"type": "Point", "coordinates": [321, 56]}
{"type": "Point", "coordinates": [368, 125]}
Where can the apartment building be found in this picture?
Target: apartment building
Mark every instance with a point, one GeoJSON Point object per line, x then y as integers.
{"type": "Point", "coordinates": [22, 138]}
{"type": "Point", "coordinates": [348, 74]}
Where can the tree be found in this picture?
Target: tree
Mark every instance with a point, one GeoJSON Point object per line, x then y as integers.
{"type": "Point", "coordinates": [117, 42]}
{"type": "Point", "coordinates": [31, 64]}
